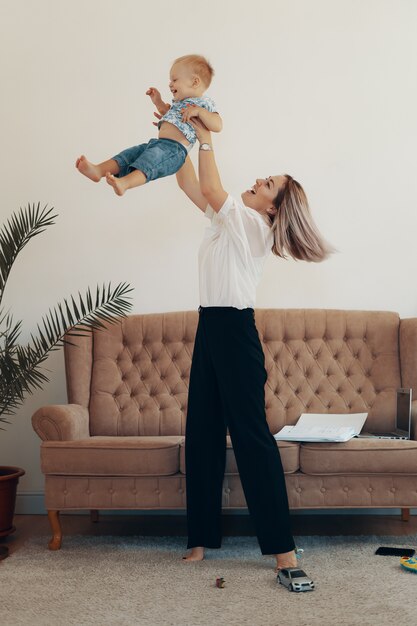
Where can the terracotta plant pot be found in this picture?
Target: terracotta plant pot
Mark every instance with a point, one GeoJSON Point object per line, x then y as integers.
{"type": "Point", "coordinates": [9, 477]}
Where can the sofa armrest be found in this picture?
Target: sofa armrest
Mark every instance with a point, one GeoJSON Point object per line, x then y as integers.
{"type": "Point", "coordinates": [414, 420]}
{"type": "Point", "coordinates": [61, 422]}
{"type": "Point", "coordinates": [408, 353]}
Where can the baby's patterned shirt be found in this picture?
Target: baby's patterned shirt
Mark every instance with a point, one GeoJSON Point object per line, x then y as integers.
{"type": "Point", "coordinates": [174, 115]}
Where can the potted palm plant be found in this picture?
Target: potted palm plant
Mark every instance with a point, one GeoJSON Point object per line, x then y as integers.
{"type": "Point", "coordinates": [21, 369]}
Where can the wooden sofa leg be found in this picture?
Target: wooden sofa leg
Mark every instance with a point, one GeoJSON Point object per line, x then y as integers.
{"type": "Point", "coordinates": [55, 522]}
{"type": "Point", "coordinates": [94, 515]}
{"type": "Point", "coordinates": [405, 515]}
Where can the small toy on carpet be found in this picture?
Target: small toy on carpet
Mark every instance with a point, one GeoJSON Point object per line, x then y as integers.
{"type": "Point", "coordinates": [409, 563]}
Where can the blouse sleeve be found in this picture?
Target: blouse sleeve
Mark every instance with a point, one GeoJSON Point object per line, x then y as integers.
{"type": "Point", "coordinates": [245, 226]}
{"type": "Point", "coordinates": [209, 212]}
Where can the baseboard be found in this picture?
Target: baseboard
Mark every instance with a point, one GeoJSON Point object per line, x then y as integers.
{"type": "Point", "coordinates": [32, 503]}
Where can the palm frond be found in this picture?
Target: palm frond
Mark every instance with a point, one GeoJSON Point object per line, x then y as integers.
{"type": "Point", "coordinates": [17, 232]}
{"type": "Point", "coordinates": [20, 367]}
{"type": "Point", "coordinates": [109, 307]}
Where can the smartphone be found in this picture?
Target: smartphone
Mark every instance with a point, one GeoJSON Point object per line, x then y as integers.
{"type": "Point", "coordinates": [387, 551]}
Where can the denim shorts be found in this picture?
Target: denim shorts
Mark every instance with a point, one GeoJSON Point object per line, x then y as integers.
{"type": "Point", "coordinates": [156, 159]}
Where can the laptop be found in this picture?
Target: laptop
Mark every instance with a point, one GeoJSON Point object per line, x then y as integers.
{"type": "Point", "coordinates": [402, 428]}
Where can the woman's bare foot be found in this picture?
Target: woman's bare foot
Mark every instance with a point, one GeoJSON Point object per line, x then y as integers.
{"type": "Point", "coordinates": [196, 554]}
{"type": "Point", "coordinates": [116, 183]}
{"type": "Point", "coordinates": [286, 559]}
{"type": "Point", "coordinates": [88, 169]}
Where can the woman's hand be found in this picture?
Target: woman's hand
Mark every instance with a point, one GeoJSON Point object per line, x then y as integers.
{"type": "Point", "coordinates": [189, 111]}
{"type": "Point", "coordinates": [158, 116]}
{"type": "Point", "coordinates": [202, 132]}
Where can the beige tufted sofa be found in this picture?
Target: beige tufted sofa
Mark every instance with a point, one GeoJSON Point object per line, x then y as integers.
{"type": "Point", "coordinates": [119, 443]}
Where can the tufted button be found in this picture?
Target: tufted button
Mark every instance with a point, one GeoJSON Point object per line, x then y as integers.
{"type": "Point", "coordinates": [370, 489]}
{"type": "Point", "coordinates": [323, 489]}
{"type": "Point", "coordinates": [227, 490]}
{"type": "Point", "coordinates": [284, 340]}
{"type": "Point", "coordinates": [298, 490]}
{"type": "Point", "coordinates": [345, 338]}
{"type": "Point", "coordinates": [87, 492]}
{"type": "Point", "coordinates": [373, 357]}
{"type": "Point", "coordinates": [393, 490]}
{"type": "Point", "coordinates": [285, 375]}
{"type": "Point", "coordinates": [359, 390]}
{"type": "Point", "coordinates": [111, 490]}
{"type": "Point", "coordinates": [174, 358]}
{"type": "Point", "coordinates": [305, 339]}
{"type": "Point", "coordinates": [65, 492]}
{"type": "Point", "coordinates": [316, 356]}
{"type": "Point", "coordinates": [134, 491]}
{"type": "Point", "coordinates": [180, 490]}
{"type": "Point", "coordinates": [349, 405]}
{"type": "Point", "coordinates": [325, 338]}
{"type": "Point", "coordinates": [345, 488]}
{"type": "Point", "coordinates": [157, 491]}
{"type": "Point", "coordinates": [364, 340]}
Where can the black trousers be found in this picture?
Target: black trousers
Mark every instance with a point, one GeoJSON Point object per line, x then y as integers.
{"type": "Point", "coordinates": [227, 383]}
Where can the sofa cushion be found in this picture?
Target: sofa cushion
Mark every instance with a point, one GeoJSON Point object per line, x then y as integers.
{"type": "Point", "coordinates": [112, 456]}
{"type": "Point", "coordinates": [289, 452]}
{"type": "Point", "coordinates": [359, 456]}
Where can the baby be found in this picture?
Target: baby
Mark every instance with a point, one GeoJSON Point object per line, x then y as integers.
{"type": "Point", "coordinates": [190, 77]}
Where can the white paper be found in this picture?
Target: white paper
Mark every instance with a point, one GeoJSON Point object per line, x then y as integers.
{"type": "Point", "coordinates": [323, 427]}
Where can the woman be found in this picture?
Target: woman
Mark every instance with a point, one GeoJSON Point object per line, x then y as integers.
{"type": "Point", "coordinates": [228, 375]}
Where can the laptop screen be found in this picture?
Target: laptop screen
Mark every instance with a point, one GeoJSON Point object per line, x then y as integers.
{"type": "Point", "coordinates": [404, 409]}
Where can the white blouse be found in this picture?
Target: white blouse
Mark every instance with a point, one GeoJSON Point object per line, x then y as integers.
{"type": "Point", "coordinates": [232, 255]}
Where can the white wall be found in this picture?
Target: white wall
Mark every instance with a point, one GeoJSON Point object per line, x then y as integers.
{"type": "Point", "coordinates": [323, 89]}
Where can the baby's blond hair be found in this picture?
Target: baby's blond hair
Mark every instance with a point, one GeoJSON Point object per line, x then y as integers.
{"type": "Point", "coordinates": [199, 65]}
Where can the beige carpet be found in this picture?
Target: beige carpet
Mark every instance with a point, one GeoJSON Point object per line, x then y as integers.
{"type": "Point", "coordinates": [141, 581]}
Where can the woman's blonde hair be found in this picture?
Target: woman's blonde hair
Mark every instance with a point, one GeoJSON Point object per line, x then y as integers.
{"type": "Point", "coordinates": [295, 232]}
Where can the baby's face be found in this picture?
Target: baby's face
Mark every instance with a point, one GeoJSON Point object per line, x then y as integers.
{"type": "Point", "coordinates": [182, 82]}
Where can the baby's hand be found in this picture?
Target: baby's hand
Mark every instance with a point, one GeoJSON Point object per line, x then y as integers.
{"type": "Point", "coordinates": [191, 110]}
{"type": "Point", "coordinates": [154, 95]}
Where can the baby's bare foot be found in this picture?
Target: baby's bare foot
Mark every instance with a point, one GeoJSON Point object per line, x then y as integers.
{"type": "Point", "coordinates": [88, 169]}
{"type": "Point", "coordinates": [116, 183]}
{"type": "Point", "coordinates": [196, 554]}
{"type": "Point", "coordinates": [286, 559]}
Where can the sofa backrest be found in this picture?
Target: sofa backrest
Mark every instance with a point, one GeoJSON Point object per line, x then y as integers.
{"type": "Point", "coordinates": [133, 376]}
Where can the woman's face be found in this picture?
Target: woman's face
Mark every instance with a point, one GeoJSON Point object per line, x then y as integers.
{"type": "Point", "coordinates": [261, 196]}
